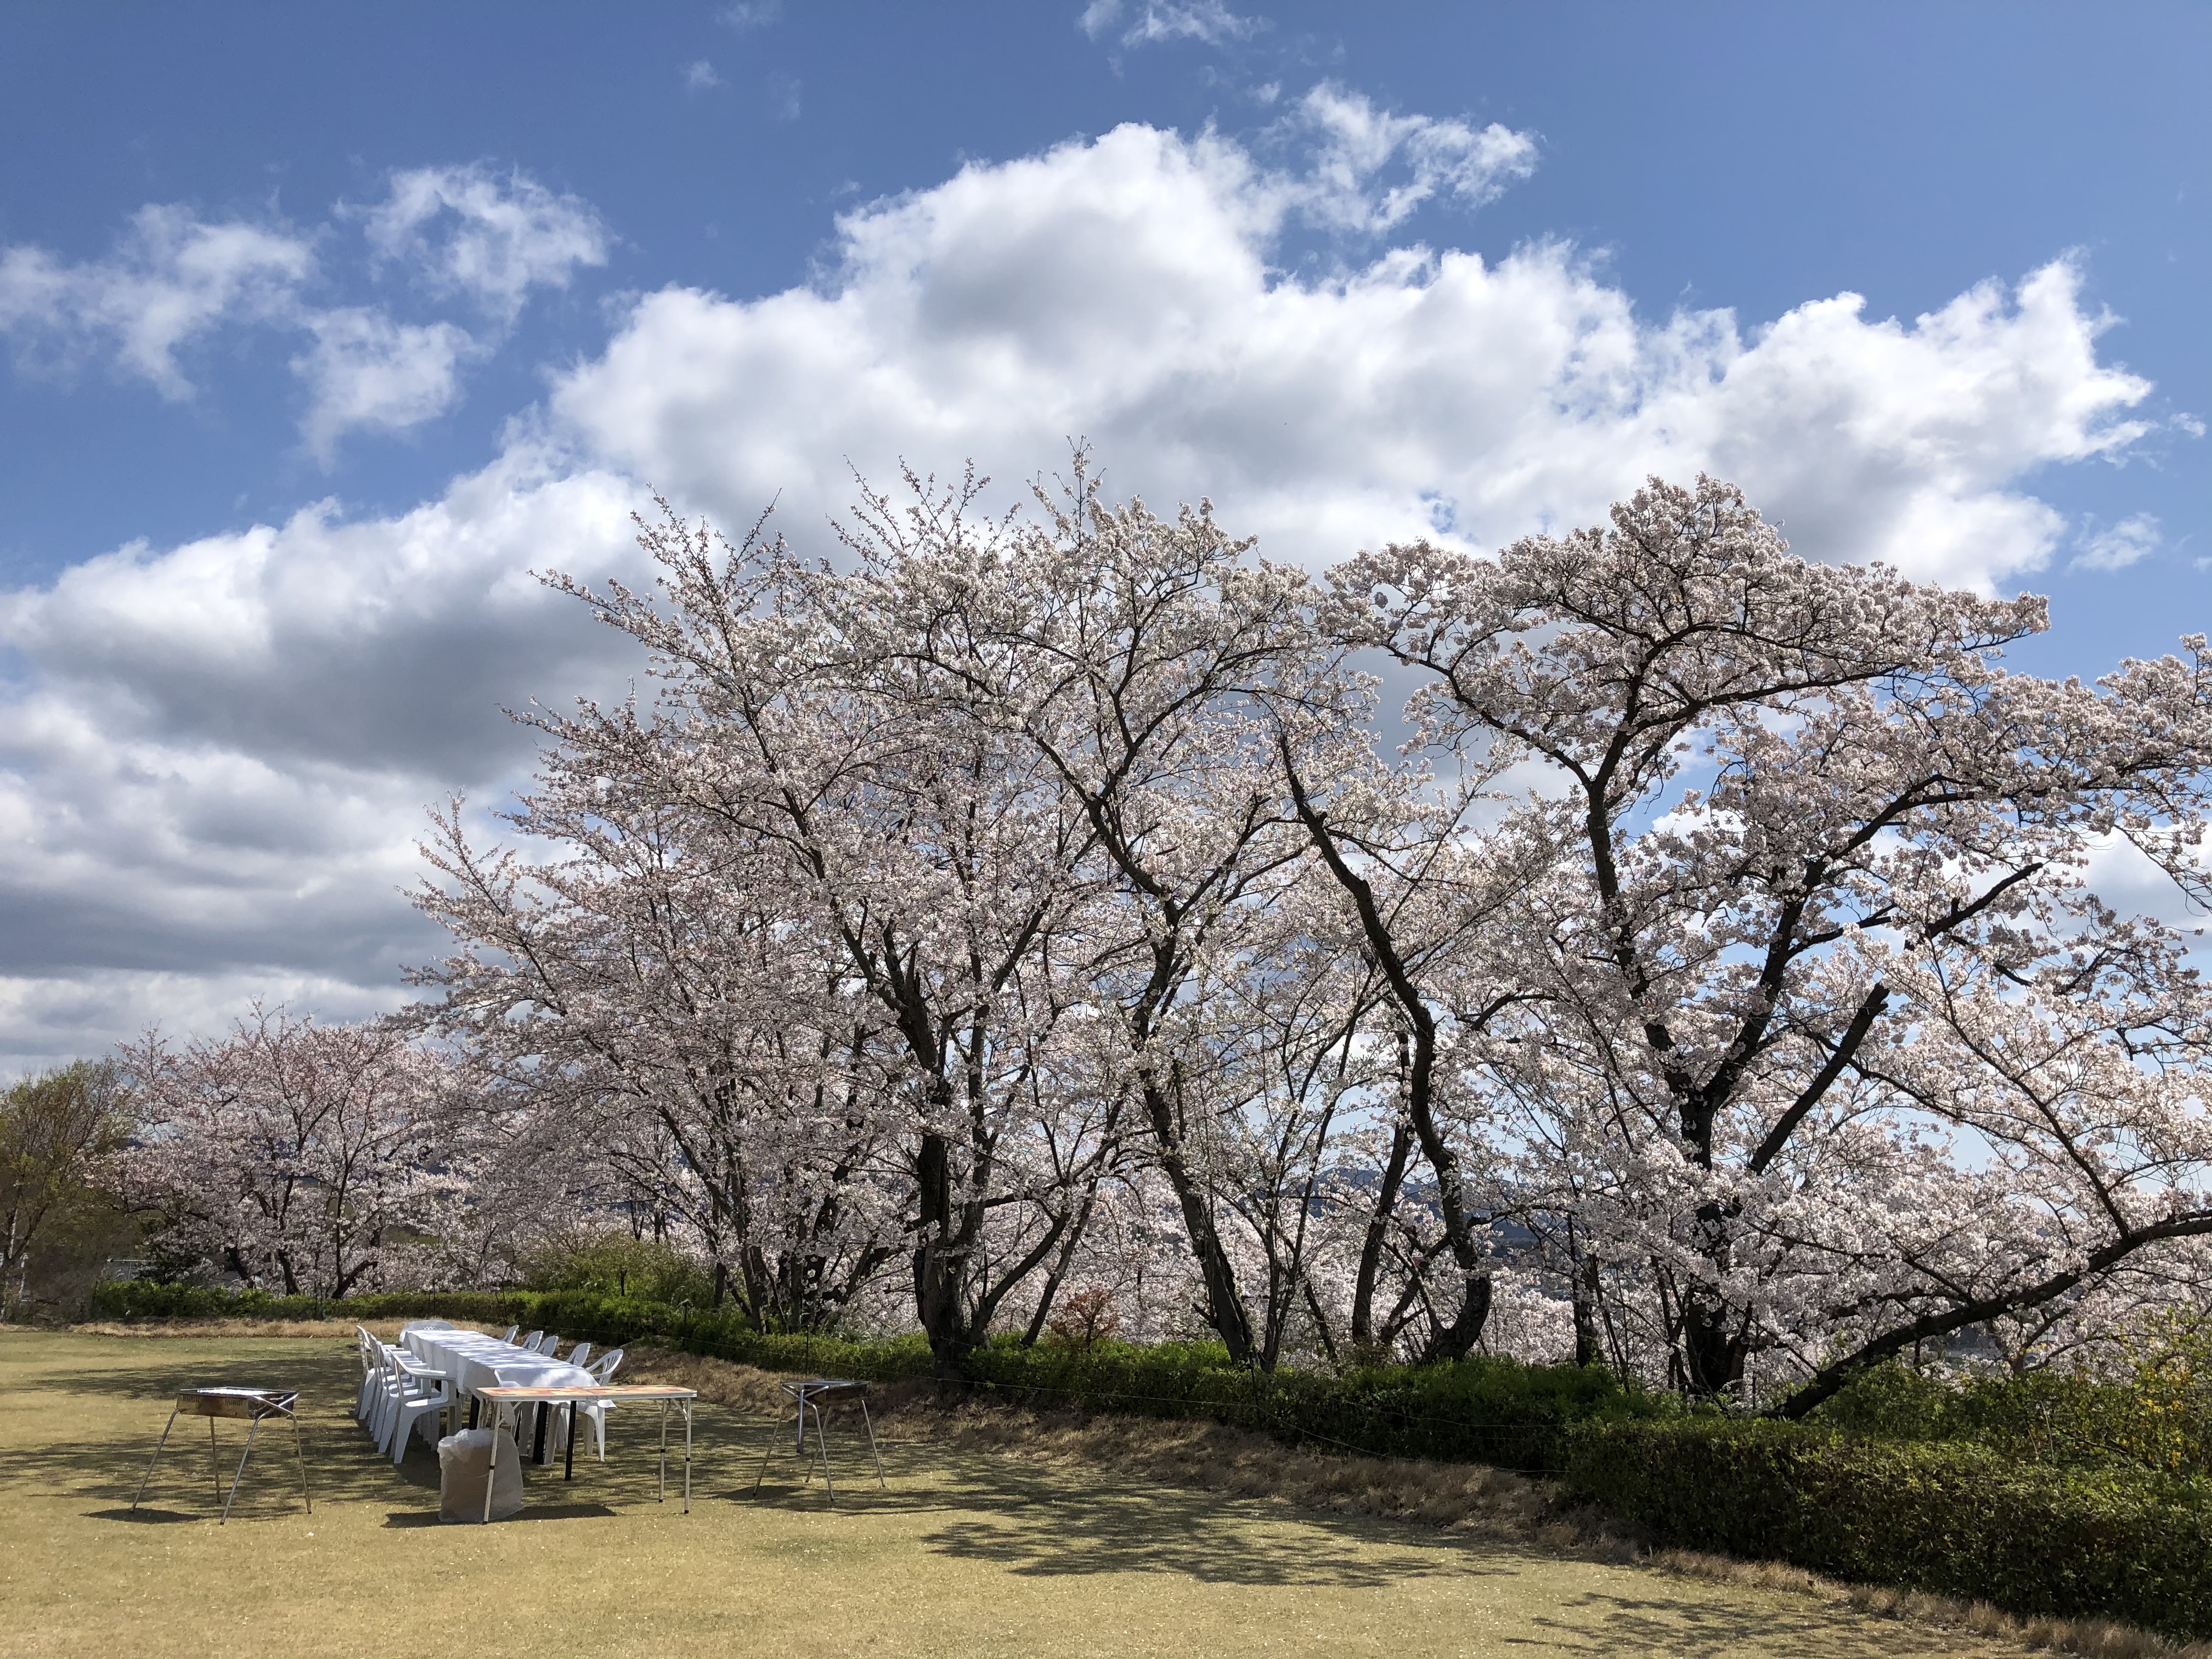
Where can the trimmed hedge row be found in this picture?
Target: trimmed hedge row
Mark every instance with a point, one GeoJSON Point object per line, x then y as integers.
{"type": "Point", "coordinates": [1480, 1410]}
{"type": "Point", "coordinates": [1954, 1519]}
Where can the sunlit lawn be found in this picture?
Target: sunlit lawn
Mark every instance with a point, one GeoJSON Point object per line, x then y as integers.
{"type": "Point", "coordinates": [964, 1555]}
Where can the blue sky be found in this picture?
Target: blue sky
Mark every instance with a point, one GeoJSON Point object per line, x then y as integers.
{"type": "Point", "coordinates": [325, 326]}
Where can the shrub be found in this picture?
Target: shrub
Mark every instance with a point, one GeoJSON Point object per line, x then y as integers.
{"type": "Point", "coordinates": [1957, 1519]}
{"type": "Point", "coordinates": [615, 1264]}
{"type": "Point", "coordinates": [1480, 1410]}
{"type": "Point", "coordinates": [2159, 1420]}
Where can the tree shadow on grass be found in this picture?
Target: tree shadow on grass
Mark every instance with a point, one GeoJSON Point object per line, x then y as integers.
{"type": "Point", "coordinates": [1057, 1520]}
{"type": "Point", "coordinates": [1722, 1622]}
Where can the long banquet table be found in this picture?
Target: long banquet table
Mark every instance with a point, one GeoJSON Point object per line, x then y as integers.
{"type": "Point", "coordinates": [475, 1361]}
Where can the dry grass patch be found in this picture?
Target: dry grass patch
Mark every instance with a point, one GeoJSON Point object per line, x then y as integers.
{"type": "Point", "coordinates": [971, 1552]}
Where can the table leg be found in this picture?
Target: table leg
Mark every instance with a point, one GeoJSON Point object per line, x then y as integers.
{"type": "Point", "coordinates": [822, 1445]}
{"type": "Point", "coordinates": [569, 1473]}
{"type": "Point", "coordinates": [157, 1458]}
{"type": "Point", "coordinates": [491, 1468]}
{"type": "Point", "coordinates": [474, 1402]}
{"type": "Point", "coordinates": [663, 1498]}
{"type": "Point", "coordinates": [871, 1422]}
{"type": "Point", "coordinates": [300, 1446]}
{"type": "Point", "coordinates": [251, 1429]}
{"type": "Point", "coordinates": [538, 1440]}
{"type": "Point", "coordinates": [687, 1457]}
{"type": "Point", "coordinates": [215, 1461]}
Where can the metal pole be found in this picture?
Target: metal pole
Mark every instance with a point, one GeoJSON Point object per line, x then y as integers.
{"type": "Point", "coordinates": [157, 1457]}
{"type": "Point", "coordinates": [871, 1422]}
{"type": "Point", "coordinates": [251, 1429]}
{"type": "Point", "coordinates": [822, 1445]}
{"type": "Point", "coordinates": [301, 1447]}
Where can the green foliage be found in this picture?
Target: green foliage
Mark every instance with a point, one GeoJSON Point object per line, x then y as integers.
{"type": "Point", "coordinates": [57, 1219]}
{"type": "Point", "coordinates": [615, 1264]}
{"type": "Point", "coordinates": [1480, 1410]}
{"type": "Point", "coordinates": [2158, 1419]}
{"type": "Point", "coordinates": [1958, 1519]}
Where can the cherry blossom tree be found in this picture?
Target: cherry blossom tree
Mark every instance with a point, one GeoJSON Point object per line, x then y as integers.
{"type": "Point", "coordinates": [1834, 1042]}
{"type": "Point", "coordinates": [294, 1154]}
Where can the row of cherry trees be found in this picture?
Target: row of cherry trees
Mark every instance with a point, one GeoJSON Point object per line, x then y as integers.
{"type": "Point", "coordinates": [1027, 910]}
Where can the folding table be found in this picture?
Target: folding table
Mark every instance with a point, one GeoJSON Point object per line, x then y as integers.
{"type": "Point", "coordinates": [556, 1394]}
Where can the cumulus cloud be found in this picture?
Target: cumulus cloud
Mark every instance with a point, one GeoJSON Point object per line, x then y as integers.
{"type": "Point", "coordinates": [1123, 289]}
{"type": "Point", "coordinates": [214, 763]}
{"type": "Point", "coordinates": [752, 14]}
{"type": "Point", "coordinates": [700, 75]}
{"type": "Point", "coordinates": [170, 280]}
{"type": "Point", "coordinates": [368, 372]}
{"type": "Point", "coordinates": [173, 279]}
{"type": "Point", "coordinates": [469, 231]}
{"type": "Point", "coordinates": [216, 756]}
{"type": "Point", "coordinates": [2121, 546]}
{"type": "Point", "coordinates": [1154, 22]}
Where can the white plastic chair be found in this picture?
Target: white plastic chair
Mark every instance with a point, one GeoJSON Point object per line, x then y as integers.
{"type": "Point", "coordinates": [511, 1330]}
{"type": "Point", "coordinates": [603, 1372]}
{"type": "Point", "coordinates": [415, 1393]}
{"type": "Point", "coordinates": [372, 1367]}
{"type": "Point", "coordinates": [582, 1352]}
{"type": "Point", "coordinates": [530, 1342]}
{"type": "Point", "coordinates": [552, 1341]}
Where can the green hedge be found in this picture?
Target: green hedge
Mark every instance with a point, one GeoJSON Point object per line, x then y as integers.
{"type": "Point", "coordinates": [1480, 1410]}
{"type": "Point", "coordinates": [2161, 1421]}
{"type": "Point", "coordinates": [1956, 1519]}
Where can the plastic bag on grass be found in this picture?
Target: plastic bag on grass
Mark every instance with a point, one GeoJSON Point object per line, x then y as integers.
{"type": "Point", "coordinates": [464, 1460]}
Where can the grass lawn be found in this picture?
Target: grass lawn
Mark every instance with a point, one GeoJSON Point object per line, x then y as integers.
{"type": "Point", "coordinates": [966, 1554]}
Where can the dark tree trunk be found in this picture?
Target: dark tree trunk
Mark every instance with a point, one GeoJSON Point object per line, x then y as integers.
{"type": "Point", "coordinates": [1224, 1308]}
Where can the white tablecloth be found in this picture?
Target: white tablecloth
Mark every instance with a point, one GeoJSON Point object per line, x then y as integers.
{"type": "Point", "coordinates": [476, 1361]}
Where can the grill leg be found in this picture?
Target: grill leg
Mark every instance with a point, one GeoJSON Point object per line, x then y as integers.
{"type": "Point", "coordinates": [871, 1422]}
{"type": "Point", "coordinates": [822, 1445]}
{"type": "Point", "coordinates": [767, 1452]}
{"type": "Point", "coordinates": [251, 1429]}
{"type": "Point", "coordinates": [154, 1459]}
{"type": "Point", "coordinates": [300, 1446]}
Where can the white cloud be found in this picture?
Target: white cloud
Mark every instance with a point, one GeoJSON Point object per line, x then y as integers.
{"type": "Point", "coordinates": [2121, 546]}
{"type": "Point", "coordinates": [1154, 22]}
{"type": "Point", "coordinates": [1122, 290]}
{"type": "Point", "coordinates": [701, 75]}
{"type": "Point", "coordinates": [365, 372]}
{"type": "Point", "coordinates": [213, 763]}
{"type": "Point", "coordinates": [752, 14]}
{"type": "Point", "coordinates": [173, 279]}
{"type": "Point", "coordinates": [1353, 144]}
{"type": "Point", "coordinates": [469, 231]}
{"type": "Point", "coordinates": [170, 280]}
